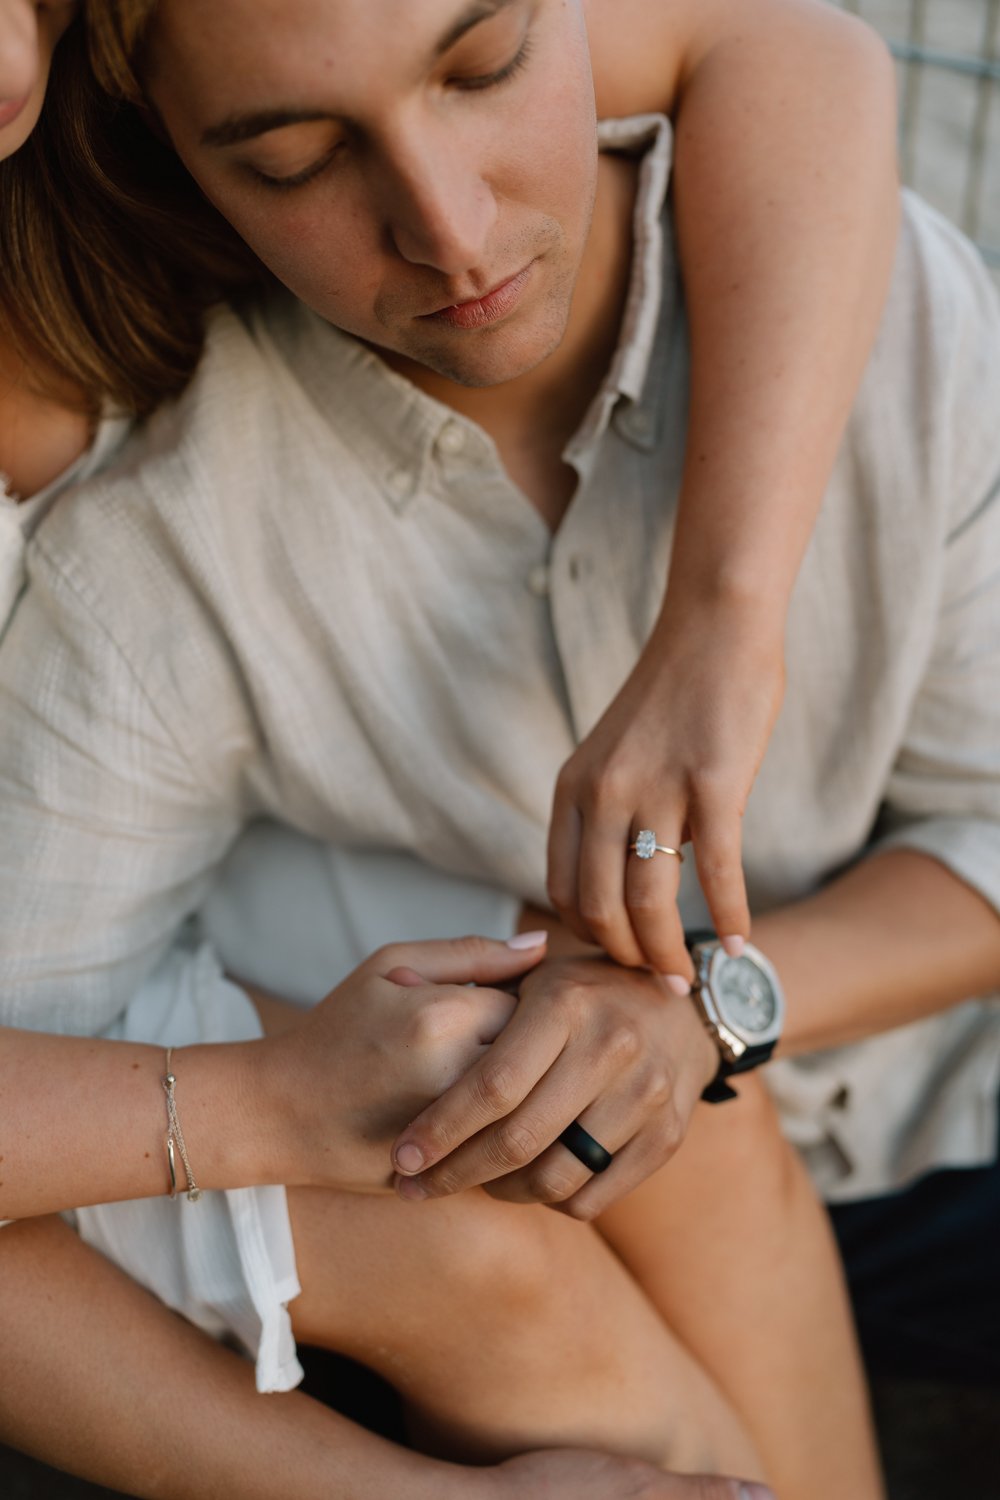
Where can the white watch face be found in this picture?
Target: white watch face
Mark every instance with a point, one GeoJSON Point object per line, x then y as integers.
{"type": "Point", "coordinates": [745, 995]}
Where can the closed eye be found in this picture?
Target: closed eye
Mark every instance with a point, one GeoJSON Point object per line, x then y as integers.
{"type": "Point", "coordinates": [493, 80]}
{"type": "Point", "coordinates": [298, 179]}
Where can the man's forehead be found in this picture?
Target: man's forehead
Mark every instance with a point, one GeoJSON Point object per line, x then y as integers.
{"type": "Point", "coordinates": [227, 29]}
{"type": "Point", "coordinates": [242, 67]}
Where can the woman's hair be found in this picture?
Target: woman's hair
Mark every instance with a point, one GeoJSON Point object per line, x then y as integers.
{"type": "Point", "coordinates": [110, 255]}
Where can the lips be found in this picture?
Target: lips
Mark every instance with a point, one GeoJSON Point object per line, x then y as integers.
{"type": "Point", "coordinates": [481, 311]}
{"type": "Point", "coordinates": [10, 109]}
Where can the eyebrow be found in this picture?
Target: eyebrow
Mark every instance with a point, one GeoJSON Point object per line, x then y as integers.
{"type": "Point", "coordinates": [481, 10]}
{"type": "Point", "coordinates": [243, 125]}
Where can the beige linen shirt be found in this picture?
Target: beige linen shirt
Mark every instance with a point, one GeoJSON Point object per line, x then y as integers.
{"type": "Point", "coordinates": [307, 591]}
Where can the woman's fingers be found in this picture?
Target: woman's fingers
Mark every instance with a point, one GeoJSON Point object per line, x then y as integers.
{"type": "Point", "coordinates": [604, 856]}
{"type": "Point", "coordinates": [627, 905]}
{"type": "Point", "coordinates": [467, 960]}
{"type": "Point", "coordinates": [562, 879]}
{"type": "Point", "coordinates": [472, 1015]}
{"type": "Point", "coordinates": [651, 887]}
{"type": "Point", "coordinates": [716, 829]}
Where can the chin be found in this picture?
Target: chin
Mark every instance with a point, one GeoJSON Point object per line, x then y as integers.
{"type": "Point", "coordinates": [493, 356]}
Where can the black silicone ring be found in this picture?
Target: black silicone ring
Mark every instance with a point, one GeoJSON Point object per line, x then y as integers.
{"type": "Point", "coordinates": [585, 1148]}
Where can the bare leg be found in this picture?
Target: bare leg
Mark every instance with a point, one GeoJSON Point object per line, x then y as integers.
{"type": "Point", "coordinates": [101, 1379]}
{"type": "Point", "coordinates": [506, 1328]}
{"type": "Point", "coordinates": [731, 1245]}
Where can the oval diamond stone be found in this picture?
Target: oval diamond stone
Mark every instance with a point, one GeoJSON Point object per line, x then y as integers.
{"type": "Point", "coordinates": [645, 843]}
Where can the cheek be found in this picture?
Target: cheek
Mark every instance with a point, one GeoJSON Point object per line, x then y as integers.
{"type": "Point", "coordinates": [323, 251]}
{"type": "Point", "coordinates": [553, 146]}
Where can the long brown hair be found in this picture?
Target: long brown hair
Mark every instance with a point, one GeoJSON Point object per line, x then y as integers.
{"type": "Point", "coordinates": [109, 255]}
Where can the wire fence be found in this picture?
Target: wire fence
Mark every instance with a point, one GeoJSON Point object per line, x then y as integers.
{"type": "Point", "coordinates": [948, 58]}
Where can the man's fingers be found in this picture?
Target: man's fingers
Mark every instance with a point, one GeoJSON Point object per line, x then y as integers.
{"type": "Point", "coordinates": [467, 960]}
{"type": "Point", "coordinates": [716, 837]}
{"type": "Point", "coordinates": [526, 1142]}
{"type": "Point", "coordinates": [489, 1091]}
{"type": "Point", "coordinates": [637, 1142]}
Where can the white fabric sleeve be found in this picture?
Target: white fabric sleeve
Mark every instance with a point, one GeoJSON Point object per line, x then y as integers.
{"type": "Point", "coordinates": [108, 831]}
{"type": "Point", "coordinates": [943, 793]}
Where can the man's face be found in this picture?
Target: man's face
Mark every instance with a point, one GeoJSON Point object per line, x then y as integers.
{"type": "Point", "coordinates": [392, 160]}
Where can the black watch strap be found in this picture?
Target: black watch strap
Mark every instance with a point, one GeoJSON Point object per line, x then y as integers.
{"type": "Point", "coordinates": [718, 1091]}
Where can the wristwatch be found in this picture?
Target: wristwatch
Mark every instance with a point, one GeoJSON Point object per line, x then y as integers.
{"type": "Point", "coordinates": [741, 1003]}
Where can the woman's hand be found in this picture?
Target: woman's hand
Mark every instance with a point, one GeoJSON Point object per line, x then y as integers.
{"type": "Point", "coordinates": [395, 1035]}
{"type": "Point", "coordinates": [676, 752]}
{"type": "Point", "coordinates": [578, 1474]}
{"type": "Point", "coordinates": [589, 1041]}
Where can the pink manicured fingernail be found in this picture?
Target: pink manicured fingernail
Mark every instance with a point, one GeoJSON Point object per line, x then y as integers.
{"type": "Point", "coordinates": [412, 1189]}
{"type": "Point", "coordinates": [677, 983]}
{"type": "Point", "coordinates": [409, 1158]}
{"type": "Point", "coordinates": [527, 940]}
{"type": "Point", "coordinates": [734, 945]}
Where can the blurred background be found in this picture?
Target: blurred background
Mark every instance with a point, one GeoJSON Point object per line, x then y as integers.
{"type": "Point", "coordinates": [948, 60]}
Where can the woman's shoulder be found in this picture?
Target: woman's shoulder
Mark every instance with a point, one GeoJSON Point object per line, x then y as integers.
{"type": "Point", "coordinates": [41, 436]}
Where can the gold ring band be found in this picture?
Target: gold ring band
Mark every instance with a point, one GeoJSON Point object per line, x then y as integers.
{"type": "Point", "coordinates": [645, 846]}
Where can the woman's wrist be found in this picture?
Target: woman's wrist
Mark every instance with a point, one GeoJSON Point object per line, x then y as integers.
{"type": "Point", "coordinates": [227, 1104]}
{"type": "Point", "coordinates": [747, 614]}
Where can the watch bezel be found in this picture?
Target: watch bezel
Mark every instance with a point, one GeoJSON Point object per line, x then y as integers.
{"type": "Point", "coordinates": [734, 1042]}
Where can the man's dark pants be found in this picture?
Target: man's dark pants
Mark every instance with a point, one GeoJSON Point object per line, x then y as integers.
{"type": "Point", "coordinates": [924, 1271]}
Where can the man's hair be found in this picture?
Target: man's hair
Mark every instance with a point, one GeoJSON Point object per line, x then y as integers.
{"type": "Point", "coordinates": [110, 254]}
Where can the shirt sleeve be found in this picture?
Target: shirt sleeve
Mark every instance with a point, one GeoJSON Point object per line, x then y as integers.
{"type": "Point", "coordinates": [109, 826]}
{"type": "Point", "coordinates": [943, 793]}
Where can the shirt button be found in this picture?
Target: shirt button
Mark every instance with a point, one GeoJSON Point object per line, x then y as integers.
{"type": "Point", "coordinates": [399, 483]}
{"type": "Point", "coordinates": [538, 581]}
{"type": "Point", "coordinates": [451, 438]}
{"type": "Point", "coordinates": [637, 422]}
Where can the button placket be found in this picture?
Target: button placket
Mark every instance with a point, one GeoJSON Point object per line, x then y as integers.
{"type": "Point", "coordinates": [538, 581]}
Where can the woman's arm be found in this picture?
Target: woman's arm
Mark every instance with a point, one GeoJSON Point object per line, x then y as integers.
{"type": "Point", "coordinates": [786, 208]}
{"type": "Point", "coordinates": [85, 1120]}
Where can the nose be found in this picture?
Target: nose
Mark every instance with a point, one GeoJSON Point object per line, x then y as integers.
{"type": "Point", "coordinates": [18, 50]}
{"type": "Point", "coordinates": [438, 208]}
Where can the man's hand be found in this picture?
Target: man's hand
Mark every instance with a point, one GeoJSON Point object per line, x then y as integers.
{"type": "Point", "coordinates": [589, 1041]}
{"type": "Point", "coordinates": [676, 752]}
{"type": "Point", "coordinates": [395, 1035]}
{"type": "Point", "coordinates": [571, 1474]}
